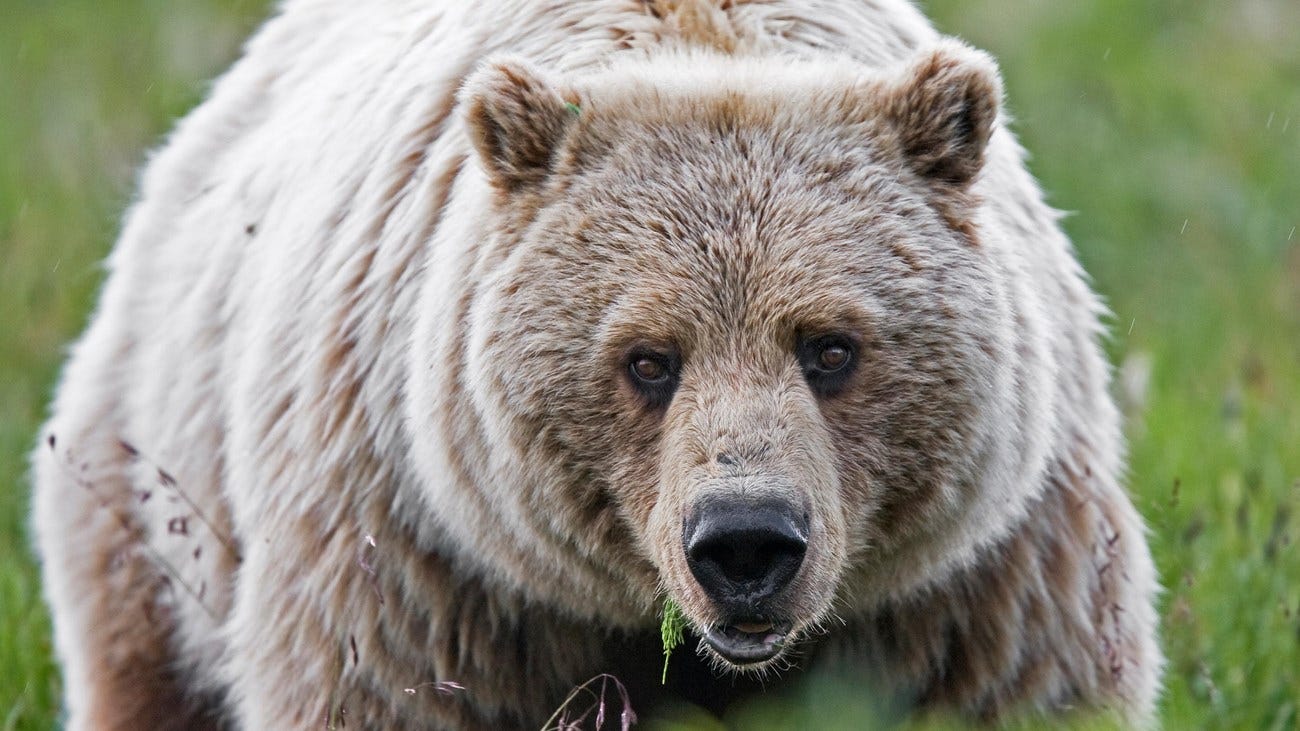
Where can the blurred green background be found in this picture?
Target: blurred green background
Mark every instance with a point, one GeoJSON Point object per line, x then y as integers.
{"type": "Point", "coordinates": [1169, 128]}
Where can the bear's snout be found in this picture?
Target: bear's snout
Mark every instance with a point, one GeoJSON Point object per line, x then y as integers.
{"type": "Point", "coordinates": [745, 552]}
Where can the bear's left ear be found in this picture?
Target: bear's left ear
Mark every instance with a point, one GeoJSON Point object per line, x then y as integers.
{"type": "Point", "coordinates": [517, 121]}
{"type": "Point", "coordinates": [942, 113]}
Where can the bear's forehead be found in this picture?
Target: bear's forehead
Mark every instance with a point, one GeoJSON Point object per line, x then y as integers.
{"type": "Point", "coordinates": [738, 197]}
{"type": "Point", "coordinates": [776, 257]}
{"type": "Point", "coordinates": [730, 152]}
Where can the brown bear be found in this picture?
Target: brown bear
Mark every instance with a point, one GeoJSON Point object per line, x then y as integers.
{"type": "Point", "coordinates": [448, 342]}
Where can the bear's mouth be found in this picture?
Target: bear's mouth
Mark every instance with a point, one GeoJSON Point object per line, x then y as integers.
{"type": "Point", "coordinates": [751, 642]}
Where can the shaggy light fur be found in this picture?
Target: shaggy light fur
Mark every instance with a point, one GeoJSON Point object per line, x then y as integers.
{"type": "Point", "coordinates": [353, 419]}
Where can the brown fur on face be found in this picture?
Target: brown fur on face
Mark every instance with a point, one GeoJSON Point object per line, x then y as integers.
{"type": "Point", "coordinates": [723, 225]}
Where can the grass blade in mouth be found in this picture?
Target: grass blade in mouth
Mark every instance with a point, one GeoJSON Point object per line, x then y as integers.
{"type": "Point", "coordinates": [670, 631]}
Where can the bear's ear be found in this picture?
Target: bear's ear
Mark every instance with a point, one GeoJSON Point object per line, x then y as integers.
{"type": "Point", "coordinates": [943, 111]}
{"type": "Point", "coordinates": [517, 120]}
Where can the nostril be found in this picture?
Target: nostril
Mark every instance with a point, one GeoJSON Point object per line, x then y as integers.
{"type": "Point", "coordinates": [773, 552]}
{"type": "Point", "coordinates": [746, 556]}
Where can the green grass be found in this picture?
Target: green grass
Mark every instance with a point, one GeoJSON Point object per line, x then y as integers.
{"type": "Point", "coordinates": [85, 88]}
{"type": "Point", "coordinates": [1170, 128]}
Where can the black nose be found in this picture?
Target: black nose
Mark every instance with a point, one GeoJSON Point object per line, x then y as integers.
{"type": "Point", "coordinates": [743, 552]}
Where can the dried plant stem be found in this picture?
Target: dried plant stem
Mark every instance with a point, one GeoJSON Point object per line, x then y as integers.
{"type": "Point", "coordinates": [166, 480]}
{"type": "Point", "coordinates": [66, 465]}
{"type": "Point", "coordinates": [559, 721]}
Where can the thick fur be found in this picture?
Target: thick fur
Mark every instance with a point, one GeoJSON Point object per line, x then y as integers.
{"type": "Point", "coordinates": [352, 418]}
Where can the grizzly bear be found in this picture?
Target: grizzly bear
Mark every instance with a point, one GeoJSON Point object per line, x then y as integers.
{"type": "Point", "coordinates": [448, 343]}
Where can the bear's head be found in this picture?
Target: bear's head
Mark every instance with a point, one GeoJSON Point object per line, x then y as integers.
{"type": "Point", "coordinates": [754, 317]}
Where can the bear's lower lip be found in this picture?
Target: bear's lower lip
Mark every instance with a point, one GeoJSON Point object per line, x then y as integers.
{"type": "Point", "coordinates": [746, 643]}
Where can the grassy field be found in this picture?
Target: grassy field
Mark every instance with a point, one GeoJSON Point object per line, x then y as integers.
{"type": "Point", "coordinates": [1170, 128]}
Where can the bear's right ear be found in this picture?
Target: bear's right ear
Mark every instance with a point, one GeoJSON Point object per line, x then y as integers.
{"type": "Point", "coordinates": [517, 121]}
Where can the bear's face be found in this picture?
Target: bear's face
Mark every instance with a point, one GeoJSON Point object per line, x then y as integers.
{"type": "Point", "coordinates": [748, 317]}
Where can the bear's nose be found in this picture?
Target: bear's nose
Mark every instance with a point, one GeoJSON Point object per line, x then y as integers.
{"type": "Point", "coordinates": [743, 552]}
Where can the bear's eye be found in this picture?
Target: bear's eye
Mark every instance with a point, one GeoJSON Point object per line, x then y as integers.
{"type": "Point", "coordinates": [653, 375]}
{"type": "Point", "coordinates": [832, 358]}
{"type": "Point", "coordinates": [827, 362]}
{"type": "Point", "coordinates": [649, 370]}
